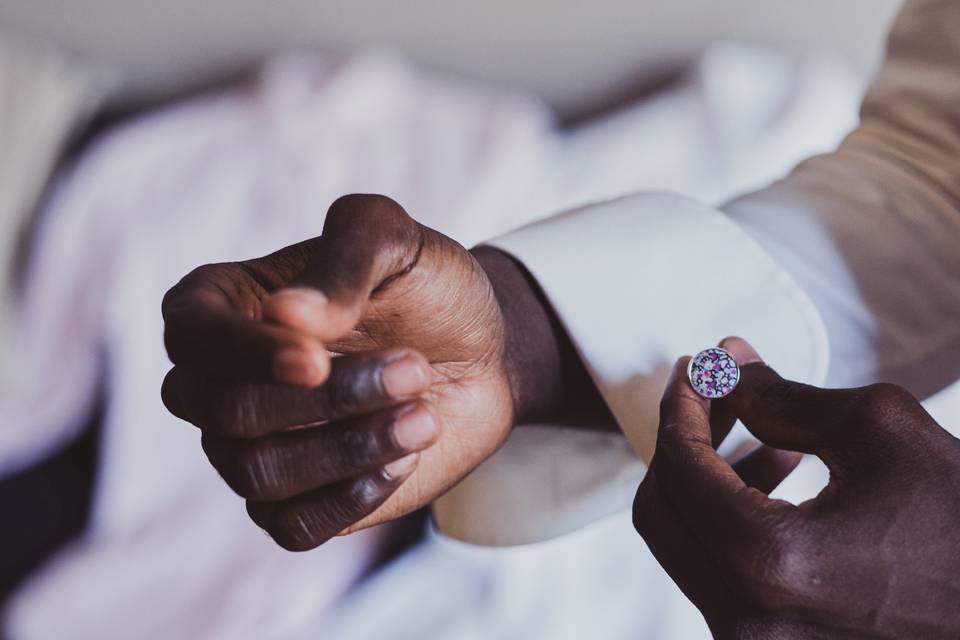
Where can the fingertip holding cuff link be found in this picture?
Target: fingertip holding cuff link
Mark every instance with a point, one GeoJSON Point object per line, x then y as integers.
{"type": "Point", "coordinates": [713, 373]}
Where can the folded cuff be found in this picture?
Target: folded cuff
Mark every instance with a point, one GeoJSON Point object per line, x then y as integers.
{"type": "Point", "coordinates": [637, 283]}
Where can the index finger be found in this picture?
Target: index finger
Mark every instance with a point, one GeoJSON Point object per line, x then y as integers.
{"type": "Point", "coordinates": [203, 330]}
{"type": "Point", "coordinates": [851, 430]}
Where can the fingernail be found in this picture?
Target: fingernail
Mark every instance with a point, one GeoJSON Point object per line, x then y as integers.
{"type": "Point", "coordinates": [299, 307]}
{"type": "Point", "coordinates": [415, 429]}
{"type": "Point", "coordinates": [404, 377]}
{"type": "Point", "coordinates": [742, 350]}
{"type": "Point", "coordinates": [302, 295]}
{"type": "Point", "coordinates": [295, 366]}
{"type": "Point", "coordinates": [402, 467]}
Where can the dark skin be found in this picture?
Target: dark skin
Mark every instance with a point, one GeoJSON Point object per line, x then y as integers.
{"type": "Point", "coordinates": [352, 378]}
{"type": "Point", "coordinates": [875, 555]}
{"type": "Point", "coordinates": [303, 411]}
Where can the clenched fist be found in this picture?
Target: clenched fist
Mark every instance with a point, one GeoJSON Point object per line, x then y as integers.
{"type": "Point", "coordinates": [352, 378]}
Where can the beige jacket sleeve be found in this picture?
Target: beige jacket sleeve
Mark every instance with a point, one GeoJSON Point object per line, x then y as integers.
{"type": "Point", "coordinates": [872, 231]}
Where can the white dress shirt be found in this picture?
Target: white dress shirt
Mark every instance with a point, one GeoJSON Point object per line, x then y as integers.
{"type": "Point", "coordinates": [863, 241]}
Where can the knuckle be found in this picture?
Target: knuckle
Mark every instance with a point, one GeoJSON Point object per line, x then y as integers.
{"type": "Point", "coordinates": [175, 309]}
{"type": "Point", "coordinates": [297, 528]}
{"type": "Point", "coordinates": [202, 274]}
{"type": "Point", "coordinates": [358, 449]}
{"type": "Point", "coordinates": [171, 300]}
{"type": "Point", "coordinates": [879, 403]}
{"type": "Point", "coordinates": [676, 444]}
{"type": "Point", "coordinates": [232, 460]}
{"type": "Point", "coordinates": [364, 496]}
{"type": "Point", "coordinates": [259, 512]}
{"type": "Point", "coordinates": [170, 393]}
{"type": "Point", "coordinates": [669, 441]}
{"type": "Point", "coordinates": [174, 296]}
{"type": "Point", "coordinates": [775, 391]}
{"type": "Point", "coordinates": [675, 412]}
{"type": "Point", "coordinates": [351, 389]}
{"type": "Point", "coordinates": [254, 471]}
{"type": "Point", "coordinates": [774, 569]}
{"type": "Point", "coordinates": [175, 342]}
{"type": "Point", "coordinates": [246, 409]}
{"type": "Point", "coordinates": [219, 412]}
{"type": "Point", "coordinates": [381, 220]}
{"type": "Point", "coordinates": [771, 395]}
{"type": "Point", "coordinates": [233, 411]}
{"type": "Point", "coordinates": [789, 575]}
{"type": "Point", "coordinates": [366, 208]}
{"type": "Point", "coordinates": [756, 571]}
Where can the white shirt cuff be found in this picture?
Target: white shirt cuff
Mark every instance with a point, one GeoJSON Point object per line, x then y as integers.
{"type": "Point", "coordinates": [637, 283]}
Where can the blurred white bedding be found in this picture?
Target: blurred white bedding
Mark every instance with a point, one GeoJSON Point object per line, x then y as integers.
{"type": "Point", "coordinates": [170, 552]}
{"type": "Point", "coordinates": [43, 98]}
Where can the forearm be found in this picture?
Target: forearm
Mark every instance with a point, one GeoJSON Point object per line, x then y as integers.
{"type": "Point", "coordinates": [872, 230]}
{"type": "Point", "coordinates": [549, 381]}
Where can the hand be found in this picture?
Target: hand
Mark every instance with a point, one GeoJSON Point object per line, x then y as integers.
{"type": "Point", "coordinates": [876, 554]}
{"type": "Point", "coordinates": [352, 378]}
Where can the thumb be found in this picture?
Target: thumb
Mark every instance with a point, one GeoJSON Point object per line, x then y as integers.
{"type": "Point", "coordinates": [366, 241]}
{"type": "Point", "coordinates": [843, 427]}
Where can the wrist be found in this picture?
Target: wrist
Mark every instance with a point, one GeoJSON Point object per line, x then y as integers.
{"type": "Point", "coordinates": [549, 383]}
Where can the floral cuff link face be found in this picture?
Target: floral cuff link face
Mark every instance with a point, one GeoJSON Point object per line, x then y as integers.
{"type": "Point", "coordinates": [713, 373]}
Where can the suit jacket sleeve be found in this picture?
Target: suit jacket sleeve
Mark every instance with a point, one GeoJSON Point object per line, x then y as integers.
{"type": "Point", "coordinates": [872, 231]}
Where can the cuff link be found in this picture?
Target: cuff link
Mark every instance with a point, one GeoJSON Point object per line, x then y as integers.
{"type": "Point", "coordinates": [713, 373]}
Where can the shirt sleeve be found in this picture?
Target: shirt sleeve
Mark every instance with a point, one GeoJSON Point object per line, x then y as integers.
{"type": "Point", "coordinates": [637, 282]}
{"type": "Point", "coordinates": [855, 252]}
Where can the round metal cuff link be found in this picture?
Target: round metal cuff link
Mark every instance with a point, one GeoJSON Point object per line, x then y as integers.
{"type": "Point", "coordinates": [713, 373]}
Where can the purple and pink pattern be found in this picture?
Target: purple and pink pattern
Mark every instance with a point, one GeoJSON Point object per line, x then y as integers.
{"type": "Point", "coordinates": [713, 373]}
